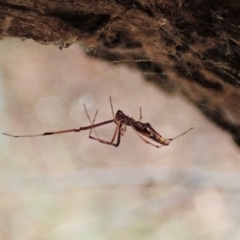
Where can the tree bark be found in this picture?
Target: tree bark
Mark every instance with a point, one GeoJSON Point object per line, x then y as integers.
{"type": "Point", "coordinates": [187, 47]}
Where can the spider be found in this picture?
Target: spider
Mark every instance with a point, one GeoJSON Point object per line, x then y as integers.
{"type": "Point", "coordinates": [122, 121]}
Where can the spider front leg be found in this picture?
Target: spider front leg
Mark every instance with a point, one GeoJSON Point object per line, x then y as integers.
{"type": "Point", "coordinates": [116, 132]}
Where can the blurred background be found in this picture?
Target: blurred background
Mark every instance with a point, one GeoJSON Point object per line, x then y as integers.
{"type": "Point", "coordinates": [71, 187]}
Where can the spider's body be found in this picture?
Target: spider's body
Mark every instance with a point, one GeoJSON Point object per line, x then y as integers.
{"type": "Point", "coordinates": [143, 128]}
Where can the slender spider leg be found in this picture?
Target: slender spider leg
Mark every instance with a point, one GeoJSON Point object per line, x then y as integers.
{"type": "Point", "coordinates": [178, 136]}
{"type": "Point", "coordinates": [111, 106]}
{"type": "Point", "coordinates": [140, 114]}
{"type": "Point", "coordinates": [146, 141]}
{"type": "Point", "coordinates": [118, 137]}
{"type": "Point", "coordinates": [63, 131]}
{"type": "Point", "coordinates": [92, 123]}
{"type": "Point", "coordinates": [116, 132]}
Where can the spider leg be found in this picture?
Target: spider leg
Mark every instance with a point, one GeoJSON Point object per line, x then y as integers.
{"type": "Point", "coordinates": [92, 123]}
{"type": "Point", "coordinates": [140, 114]}
{"type": "Point", "coordinates": [117, 133]}
{"type": "Point", "coordinates": [111, 105]}
{"type": "Point", "coordinates": [171, 139]}
{"type": "Point", "coordinates": [117, 130]}
{"type": "Point", "coordinates": [63, 131]}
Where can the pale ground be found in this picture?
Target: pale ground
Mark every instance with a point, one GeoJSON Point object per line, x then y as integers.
{"type": "Point", "coordinates": [71, 187]}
